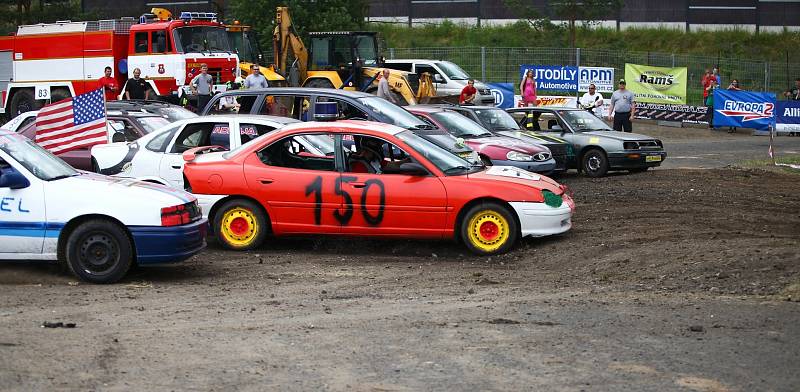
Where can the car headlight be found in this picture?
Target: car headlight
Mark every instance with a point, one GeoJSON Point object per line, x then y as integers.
{"type": "Point", "coordinates": [518, 156]}
{"type": "Point", "coordinates": [630, 146]}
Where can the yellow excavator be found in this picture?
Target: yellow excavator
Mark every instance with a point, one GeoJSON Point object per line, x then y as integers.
{"type": "Point", "coordinates": [243, 41]}
{"type": "Point", "coordinates": [347, 60]}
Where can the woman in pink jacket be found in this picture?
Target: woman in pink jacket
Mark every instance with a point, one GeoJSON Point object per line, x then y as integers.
{"type": "Point", "coordinates": [528, 89]}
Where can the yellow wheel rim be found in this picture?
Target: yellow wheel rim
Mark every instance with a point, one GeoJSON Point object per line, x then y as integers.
{"type": "Point", "coordinates": [487, 230]}
{"type": "Point", "coordinates": [239, 227]}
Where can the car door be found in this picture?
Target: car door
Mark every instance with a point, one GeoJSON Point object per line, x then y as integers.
{"type": "Point", "coordinates": [390, 204]}
{"type": "Point", "coordinates": [298, 186]}
{"type": "Point", "coordinates": [23, 220]}
{"type": "Point", "coordinates": [195, 134]}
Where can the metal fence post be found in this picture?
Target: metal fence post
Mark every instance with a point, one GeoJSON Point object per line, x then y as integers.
{"type": "Point", "coordinates": [391, 53]}
{"type": "Point", "coordinates": [483, 63]}
{"type": "Point", "coordinates": [673, 60]}
{"type": "Point", "coordinates": [578, 66]}
{"type": "Point", "coordinates": [766, 76]}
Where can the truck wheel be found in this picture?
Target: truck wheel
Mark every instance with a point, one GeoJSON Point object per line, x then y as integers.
{"type": "Point", "coordinates": [489, 229]}
{"type": "Point", "coordinates": [240, 225]}
{"type": "Point", "coordinates": [319, 83]}
{"type": "Point", "coordinates": [595, 163]}
{"type": "Point", "coordinates": [98, 251]}
{"type": "Point", "coordinates": [22, 102]}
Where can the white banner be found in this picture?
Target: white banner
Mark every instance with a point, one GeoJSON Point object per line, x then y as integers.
{"type": "Point", "coordinates": [602, 77]}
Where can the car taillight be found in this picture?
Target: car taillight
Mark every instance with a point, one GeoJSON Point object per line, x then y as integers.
{"type": "Point", "coordinates": [178, 215]}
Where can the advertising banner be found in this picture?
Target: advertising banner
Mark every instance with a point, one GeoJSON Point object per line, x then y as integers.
{"type": "Point", "coordinates": [552, 77]}
{"type": "Point", "coordinates": [744, 109]}
{"type": "Point", "coordinates": [657, 84]}
{"type": "Point", "coordinates": [788, 116]}
{"type": "Point", "coordinates": [602, 77]}
{"type": "Point", "coordinates": [503, 94]}
{"type": "Point", "coordinates": [667, 112]}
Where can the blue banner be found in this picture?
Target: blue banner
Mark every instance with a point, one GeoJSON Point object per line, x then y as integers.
{"type": "Point", "coordinates": [787, 112]}
{"type": "Point", "coordinates": [552, 77]}
{"type": "Point", "coordinates": [744, 109]}
{"type": "Point", "coordinates": [503, 94]}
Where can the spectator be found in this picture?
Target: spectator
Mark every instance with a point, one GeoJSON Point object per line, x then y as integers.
{"type": "Point", "coordinates": [468, 93]}
{"type": "Point", "coordinates": [201, 85]}
{"type": "Point", "coordinates": [109, 85]}
{"type": "Point", "coordinates": [255, 80]}
{"type": "Point", "coordinates": [715, 73]}
{"type": "Point", "coordinates": [384, 91]}
{"type": "Point", "coordinates": [623, 107]}
{"type": "Point", "coordinates": [734, 86]}
{"type": "Point", "coordinates": [527, 87]}
{"type": "Point", "coordinates": [592, 101]}
{"type": "Point", "coordinates": [704, 82]}
{"type": "Point", "coordinates": [794, 92]}
{"type": "Point", "coordinates": [136, 87]}
{"type": "Point", "coordinates": [712, 85]}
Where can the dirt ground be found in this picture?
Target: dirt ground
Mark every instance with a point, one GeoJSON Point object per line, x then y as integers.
{"type": "Point", "coordinates": [682, 280]}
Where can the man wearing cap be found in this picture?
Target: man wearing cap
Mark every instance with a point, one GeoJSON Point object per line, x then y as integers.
{"type": "Point", "coordinates": [623, 108]}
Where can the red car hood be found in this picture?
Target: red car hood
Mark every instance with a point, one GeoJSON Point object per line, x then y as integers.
{"type": "Point", "coordinates": [505, 143]}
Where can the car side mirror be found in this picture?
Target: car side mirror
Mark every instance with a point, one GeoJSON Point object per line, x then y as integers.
{"type": "Point", "coordinates": [11, 178]}
{"type": "Point", "coordinates": [118, 137]}
{"type": "Point", "coordinates": [413, 169]}
{"type": "Point", "coordinates": [557, 128]}
{"type": "Point", "coordinates": [438, 78]}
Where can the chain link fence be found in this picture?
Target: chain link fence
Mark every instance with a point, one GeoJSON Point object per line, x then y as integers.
{"type": "Point", "coordinates": [497, 65]}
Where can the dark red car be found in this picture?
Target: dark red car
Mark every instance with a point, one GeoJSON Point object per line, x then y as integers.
{"type": "Point", "coordinates": [492, 149]}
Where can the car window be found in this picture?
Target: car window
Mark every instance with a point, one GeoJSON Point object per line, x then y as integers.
{"type": "Point", "coordinates": [374, 155]}
{"type": "Point", "coordinates": [343, 110]}
{"type": "Point", "coordinates": [583, 121]}
{"type": "Point", "coordinates": [125, 128]}
{"type": "Point", "coordinates": [295, 152]}
{"type": "Point", "coordinates": [151, 123]}
{"type": "Point", "coordinates": [248, 132]}
{"type": "Point", "coordinates": [291, 106]}
{"type": "Point", "coordinates": [426, 68]}
{"type": "Point", "coordinates": [227, 104]}
{"type": "Point", "coordinates": [547, 122]}
{"type": "Point", "coordinates": [399, 66]}
{"type": "Point", "coordinates": [159, 142]}
{"type": "Point", "coordinates": [200, 134]}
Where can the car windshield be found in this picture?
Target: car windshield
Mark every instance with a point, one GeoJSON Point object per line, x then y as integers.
{"type": "Point", "coordinates": [583, 121]}
{"type": "Point", "coordinates": [460, 126]}
{"type": "Point", "coordinates": [496, 119]}
{"type": "Point", "coordinates": [151, 123]}
{"type": "Point", "coordinates": [453, 71]}
{"type": "Point", "coordinates": [35, 159]}
{"type": "Point", "coordinates": [172, 113]}
{"type": "Point", "coordinates": [387, 112]}
{"type": "Point", "coordinates": [201, 39]}
{"type": "Point", "coordinates": [446, 161]}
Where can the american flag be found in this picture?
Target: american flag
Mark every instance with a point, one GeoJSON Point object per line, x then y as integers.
{"type": "Point", "coordinates": [72, 123]}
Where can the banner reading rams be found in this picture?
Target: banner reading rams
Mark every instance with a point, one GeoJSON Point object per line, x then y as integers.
{"type": "Point", "coordinates": [656, 84]}
{"type": "Point", "coordinates": [503, 94]}
{"type": "Point", "coordinates": [744, 109]}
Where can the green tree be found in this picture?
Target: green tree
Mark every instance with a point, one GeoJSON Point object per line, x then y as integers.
{"type": "Point", "coordinates": [586, 10]}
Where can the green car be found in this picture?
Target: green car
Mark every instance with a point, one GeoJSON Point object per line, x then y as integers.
{"type": "Point", "coordinates": [598, 148]}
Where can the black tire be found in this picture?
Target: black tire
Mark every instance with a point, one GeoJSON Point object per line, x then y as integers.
{"type": "Point", "coordinates": [98, 251]}
{"type": "Point", "coordinates": [595, 163]}
{"type": "Point", "coordinates": [240, 225]}
{"type": "Point", "coordinates": [58, 94]}
{"type": "Point", "coordinates": [497, 237]}
{"type": "Point", "coordinates": [22, 102]}
{"type": "Point", "coordinates": [319, 83]}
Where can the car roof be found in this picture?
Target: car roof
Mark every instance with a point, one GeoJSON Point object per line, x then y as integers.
{"type": "Point", "coordinates": [242, 118]}
{"type": "Point", "coordinates": [426, 109]}
{"type": "Point", "coordinates": [354, 125]}
{"type": "Point", "coordinates": [125, 113]}
{"type": "Point", "coordinates": [299, 91]}
{"type": "Point", "coordinates": [414, 61]}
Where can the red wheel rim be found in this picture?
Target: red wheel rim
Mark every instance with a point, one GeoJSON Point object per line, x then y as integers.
{"type": "Point", "coordinates": [489, 230]}
{"type": "Point", "coordinates": [239, 226]}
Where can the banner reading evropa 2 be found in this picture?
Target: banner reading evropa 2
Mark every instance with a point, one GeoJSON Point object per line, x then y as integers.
{"type": "Point", "coordinates": [656, 84]}
{"type": "Point", "coordinates": [744, 109]}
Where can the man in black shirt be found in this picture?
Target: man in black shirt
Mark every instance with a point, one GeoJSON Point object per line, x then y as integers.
{"type": "Point", "coordinates": [137, 88]}
{"type": "Point", "coordinates": [794, 92]}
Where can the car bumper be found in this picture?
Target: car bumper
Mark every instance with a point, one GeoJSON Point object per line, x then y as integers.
{"type": "Point", "coordinates": [636, 159]}
{"type": "Point", "coordinates": [539, 219]}
{"type": "Point", "coordinates": [157, 244]}
{"type": "Point", "coordinates": [545, 167]}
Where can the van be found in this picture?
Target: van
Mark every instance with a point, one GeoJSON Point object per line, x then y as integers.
{"type": "Point", "coordinates": [448, 77]}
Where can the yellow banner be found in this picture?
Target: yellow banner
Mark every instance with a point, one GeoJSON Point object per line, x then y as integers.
{"type": "Point", "coordinates": [657, 84]}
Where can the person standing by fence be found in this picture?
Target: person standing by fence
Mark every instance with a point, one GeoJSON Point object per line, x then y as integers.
{"type": "Point", "coordinates": [734, 86]}
{"type": "Point", "coordinates": [623, 106]}
{"type": "Point", "coordinates": [527, 88]}
{"type": "Point", "coordinates": [793, 94]}
{"type": "Point", "coordinates": [712, 85]}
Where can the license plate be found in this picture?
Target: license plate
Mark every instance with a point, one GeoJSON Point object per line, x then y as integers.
{"type": "Point", "coordinates": [653, 158]}
{"type": "Point", "coordinates": [465, 154]}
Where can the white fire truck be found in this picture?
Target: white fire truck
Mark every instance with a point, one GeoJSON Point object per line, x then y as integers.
{"type": "Point", "coordinates": [59, 60]}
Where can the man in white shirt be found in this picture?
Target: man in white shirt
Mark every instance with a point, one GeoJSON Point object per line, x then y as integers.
{"type": "Point", "coordinates": [592, 101]}
{"type": "Point", "coordinates": [255, 80]}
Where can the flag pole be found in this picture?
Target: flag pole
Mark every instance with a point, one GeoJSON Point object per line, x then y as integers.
{"type": "Point", "coordinates": [771, 144]}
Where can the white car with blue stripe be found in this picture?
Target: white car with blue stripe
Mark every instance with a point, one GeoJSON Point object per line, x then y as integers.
{"type": "Point", "coordinates": [98, 226]}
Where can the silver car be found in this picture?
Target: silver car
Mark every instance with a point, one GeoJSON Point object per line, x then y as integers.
{"type": "Point", "coordinates": [448, 77]}
{"type": "Point", "coordinates": [598, 148]}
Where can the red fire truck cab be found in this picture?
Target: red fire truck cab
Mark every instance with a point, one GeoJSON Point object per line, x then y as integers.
{"type": "Point", "coordinates": [49, 62]}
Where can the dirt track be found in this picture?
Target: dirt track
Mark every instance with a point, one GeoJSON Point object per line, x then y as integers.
{"type": "Point", "coordinates": [670, 280]}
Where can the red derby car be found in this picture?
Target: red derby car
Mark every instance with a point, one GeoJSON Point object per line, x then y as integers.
{"type": "Point", "coordinates": [301, 180]}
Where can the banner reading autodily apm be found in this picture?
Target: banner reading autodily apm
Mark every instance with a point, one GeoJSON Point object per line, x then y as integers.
{"type": "Point", "coordinates": [743, 109]}
{"type": "Point", "coordinates": [656, 84]}
{"type": "Point", "coordinates": [569, 78]}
